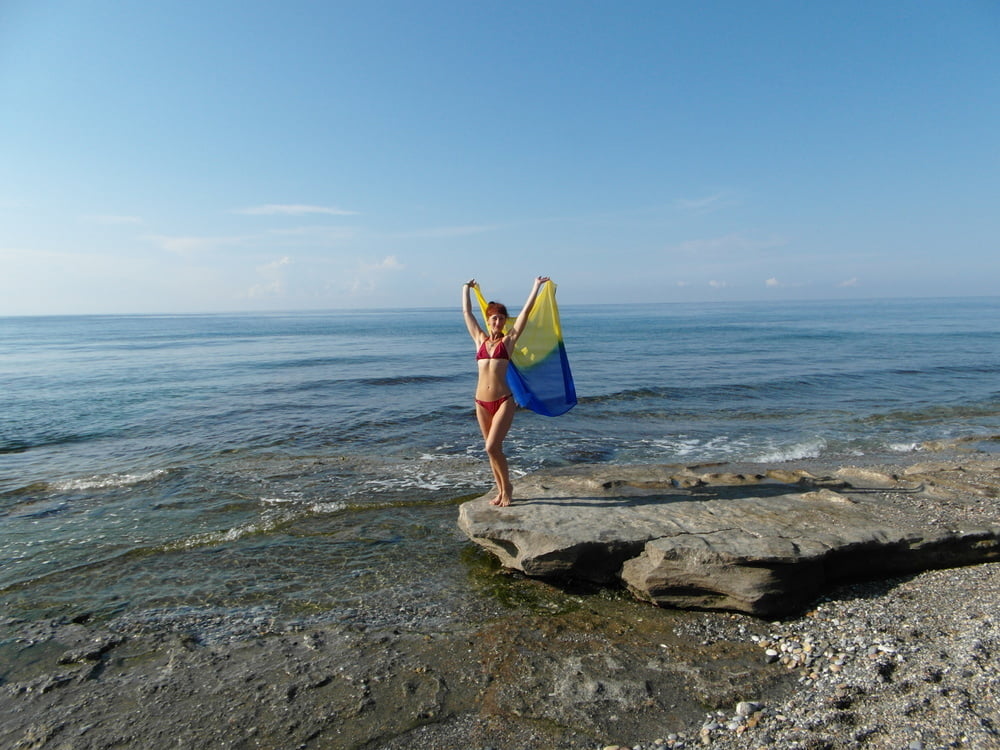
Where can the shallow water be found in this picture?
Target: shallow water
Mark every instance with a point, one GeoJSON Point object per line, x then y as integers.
{"type": "Point", "coordinates": [304, 464]}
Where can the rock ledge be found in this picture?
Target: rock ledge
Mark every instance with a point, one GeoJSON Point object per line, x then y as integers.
{"type": "Point", "coordinates": [751, 539]}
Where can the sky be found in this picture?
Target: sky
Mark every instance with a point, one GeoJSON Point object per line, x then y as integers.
{"type": "Point", "coordinates": [221, 156]}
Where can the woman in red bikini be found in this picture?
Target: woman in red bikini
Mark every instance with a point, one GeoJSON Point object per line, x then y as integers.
{"type": "Point", "coordinates": [494, 402]}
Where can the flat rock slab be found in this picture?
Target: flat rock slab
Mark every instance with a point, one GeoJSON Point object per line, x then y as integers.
{"type": "Point", "coordinates": [750, 539]}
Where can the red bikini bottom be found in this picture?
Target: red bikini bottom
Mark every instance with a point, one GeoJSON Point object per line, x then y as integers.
{"type": "Point", "coordinates": [493, 406]}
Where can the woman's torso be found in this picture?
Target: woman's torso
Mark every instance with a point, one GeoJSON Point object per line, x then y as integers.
{"type": "Point", "coordinates": [492, 359]}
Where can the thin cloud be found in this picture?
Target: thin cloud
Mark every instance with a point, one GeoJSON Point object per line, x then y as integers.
{"type": "Point", "coordinates": [445, 232]}
{"type": "Point", "coordinates": [312, 235]}
{"type": "Point", "coordinates": [772, 282]}
{"type": "Point", "coordinates": [707, 203]}
{"type": "Point", "coordinates": [293, 209]}
{"type": "Point", "coordinates": [850, 282]}
{"type": "Point", "coordinates": [110, 220]}
{"type": "Point", "coordinates": [192, 245]}
{"type": "Point", "coordinates": [727, 245]}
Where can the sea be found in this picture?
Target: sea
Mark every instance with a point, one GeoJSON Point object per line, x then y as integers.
{"type": "Point", "coordinates": [302, 466]}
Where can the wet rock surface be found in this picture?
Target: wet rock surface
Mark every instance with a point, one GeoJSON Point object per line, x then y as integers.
{"type": "Point", "coordinates": [583, 668]}
{"type": "Point", "coordinates": [902, 662]}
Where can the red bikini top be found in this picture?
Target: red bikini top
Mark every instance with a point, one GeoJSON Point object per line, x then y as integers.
{"type": "Point", "coordinates": [499, 352]}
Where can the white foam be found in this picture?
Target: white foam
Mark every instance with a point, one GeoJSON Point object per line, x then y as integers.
{"type": "Point", "coordinates": [107, 481]}
{"type": "Point", "coordinates": [412, 482]}
{"type": "Point", "coordinates": [796, 452]}
{"type": "Point", "coordinates": [685, 447]}
{"type": "Point", "coordinates": [437, 457]}
{"type": "Point", "coordinates": [327, 507]}
{"type": "Point", "coordinates": [322, 506]}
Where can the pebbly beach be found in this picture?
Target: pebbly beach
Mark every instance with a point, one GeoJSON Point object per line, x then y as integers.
{"type": "Point", "coordinates": [906, 661]}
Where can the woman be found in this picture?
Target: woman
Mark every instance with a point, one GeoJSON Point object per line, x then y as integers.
{"type": "Point", "coordinates": [494, 402]}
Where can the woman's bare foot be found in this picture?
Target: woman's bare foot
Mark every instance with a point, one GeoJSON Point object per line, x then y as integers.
{"type": "Point", "coordinates": [501, 501]}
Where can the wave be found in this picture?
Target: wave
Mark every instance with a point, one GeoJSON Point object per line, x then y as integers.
{"type": "Point", "coordinates": [282, 512]}
{"type": "Point", "coordinates": [85, 484]}
{"type": "Point", "coordinates": [632, 394]}
{"type": "Point", "coordinates": [272, 520]}
{"type": "Point", "coordinates": [415, 481]}
{"type": "Point", "coordinates": [295, 364]}
{"type": "Point", "coordinates": [16, 445]}
{"type": "Point", "coordinates": [407, 380]}
{"type": "Point", "coordinates": [934, 413]}
{"type": "Point", "coordinates": [320, 506]}
{"type": "Point", "coordinates": [36, 509]}
{"type": "Point", "coordinates": [763, 390]}
{"type": "Point", "coordinates": [795, 452]}
{"type": "Point", "coordinates": [107, 481]}
{"type": "Point", "coordinates": [710, 448]}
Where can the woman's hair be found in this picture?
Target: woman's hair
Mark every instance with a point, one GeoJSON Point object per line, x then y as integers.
{"type": "Point", "coordinates": [496, 307]}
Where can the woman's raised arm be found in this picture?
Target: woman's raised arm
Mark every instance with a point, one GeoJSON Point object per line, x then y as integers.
{"type": "Point", "coordinates": [475, 330]}
{"type": "Point", "coordinates": [522, 317]}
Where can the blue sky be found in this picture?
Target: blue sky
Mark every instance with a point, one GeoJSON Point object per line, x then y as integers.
{"type": "Point", "coordinates": [220, 156]}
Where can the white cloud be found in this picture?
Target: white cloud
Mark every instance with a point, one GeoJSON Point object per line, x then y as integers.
{"type": "Point", "coordinates": [274, 265]}
{"type": "Point", "coordinates": [369, 275]}
{"type": "Point", "coordinates": [718, 284]}
{"type": "Point", "coordinates": [273, 279]}
{"type": "Point", "coordinates": [295, 209]}
{"type": "Point", "coordinates": [773, 283]}
{"type": "Point", "coordinates": [850, 282]}
{"type": "Point", "coordinates": [388, 263]}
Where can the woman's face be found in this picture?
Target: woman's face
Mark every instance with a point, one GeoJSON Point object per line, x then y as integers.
{"type": "Point", "coordinates": [497, 321]}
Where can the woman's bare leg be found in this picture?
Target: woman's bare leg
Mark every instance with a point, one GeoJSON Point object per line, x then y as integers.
{"type": "Point", "coordinates": [495, 428]}
{"type": "Point", "coordinates": [485, 421]}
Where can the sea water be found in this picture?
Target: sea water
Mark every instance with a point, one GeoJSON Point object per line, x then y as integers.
{"type": "Point", "coordinates": [305, 464]}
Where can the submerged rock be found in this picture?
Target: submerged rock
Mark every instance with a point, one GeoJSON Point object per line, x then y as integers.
{"type": "Point", "coordinates": [765, 542]}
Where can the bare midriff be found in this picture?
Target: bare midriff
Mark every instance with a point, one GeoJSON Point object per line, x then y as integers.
{"type": "Point", "coordinates": [492, 380]}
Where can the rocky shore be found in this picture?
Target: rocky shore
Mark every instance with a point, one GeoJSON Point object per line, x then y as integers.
{"type": "Point", "coordinates": [907, 662]}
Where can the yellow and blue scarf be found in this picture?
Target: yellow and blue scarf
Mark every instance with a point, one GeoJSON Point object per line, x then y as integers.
{"type": "Point", "coordinates": [539, 374]}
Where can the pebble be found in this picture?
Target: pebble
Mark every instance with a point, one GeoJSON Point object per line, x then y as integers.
{"type": "Point", "coordinates": [747, 708]}
{"type": "Point", "coordinates": [887, 668]}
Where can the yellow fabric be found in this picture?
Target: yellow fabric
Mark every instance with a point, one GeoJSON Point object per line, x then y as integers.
{"type": "Point", "coordinates": [541, 335]}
